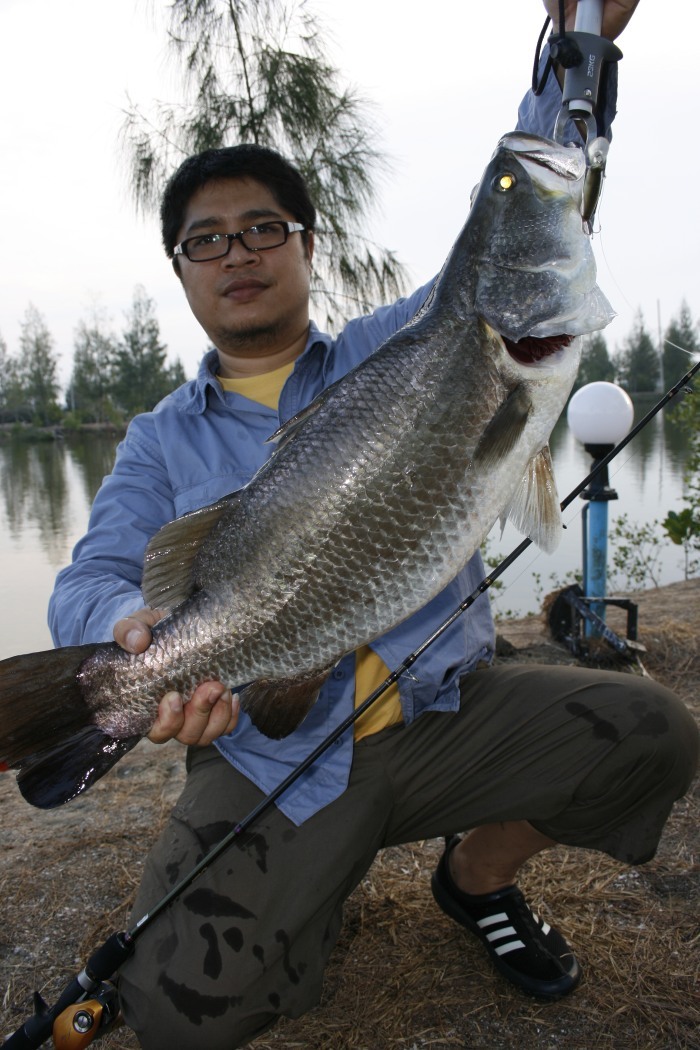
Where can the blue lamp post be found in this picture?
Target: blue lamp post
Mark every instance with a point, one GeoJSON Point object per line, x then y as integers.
{"type": "Point", "coordinates": [599, 415]}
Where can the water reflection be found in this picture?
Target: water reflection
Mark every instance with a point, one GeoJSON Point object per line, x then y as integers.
{"type": "Point", "coordinates": [46, 489]}
{"type": "Point", "coordinates": [36, 487]}
{"type": "Point", "coordinates": [94, 456]}
{"type": "Point", "coordinates": [659, 450]}
{"type": "Point", "coordinates": [35, 490]}
{"type": "Point", "coordinates": [675, 438]}
{"type": "Point", "coordinates": [656, 453]}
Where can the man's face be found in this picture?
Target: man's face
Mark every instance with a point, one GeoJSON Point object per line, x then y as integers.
{"type": "Point", "coordinates": [250, 304]}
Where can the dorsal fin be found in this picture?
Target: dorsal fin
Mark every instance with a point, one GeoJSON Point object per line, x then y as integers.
{"type": "Point", "coordinates": [168, 571]}
{"type": "Point", "coordinates": [534, 508]}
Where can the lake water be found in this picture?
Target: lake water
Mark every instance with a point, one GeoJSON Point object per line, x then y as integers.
{"type": "Point", "coordinates": [46, 490]}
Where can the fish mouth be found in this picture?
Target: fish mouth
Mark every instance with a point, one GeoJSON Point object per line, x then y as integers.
{"type": "Point", "coordinates": [531, 350]}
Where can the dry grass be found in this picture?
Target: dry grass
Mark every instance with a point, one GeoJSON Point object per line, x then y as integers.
{"type": "Point", "coordinates": [402, 976]}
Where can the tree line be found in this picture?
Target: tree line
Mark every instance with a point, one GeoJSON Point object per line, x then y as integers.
{"type": "Point", "coordinates": [255, 72]}
{"type": "Point", "coordinates": [639, 365]}
{"type": "Point", "coordinates": [114, 376]}
{"type": "Point", "coordinates": [259, 72]}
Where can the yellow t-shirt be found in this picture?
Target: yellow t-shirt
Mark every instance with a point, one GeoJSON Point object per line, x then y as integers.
{"type": "Point", "coordinates": [370, 669]}
{"type": "Point", "coordinates": [265, 388]}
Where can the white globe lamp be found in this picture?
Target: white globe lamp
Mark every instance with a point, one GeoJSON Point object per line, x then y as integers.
{"type": "Point", "coordinates": [600, 416]}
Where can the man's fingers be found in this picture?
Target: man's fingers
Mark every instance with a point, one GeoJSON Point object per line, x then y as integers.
{"type": "Point", "coordinates": [170, 719]}
{"type": "Point", "coordinates": [133, 633]}
{"type": "Point", "coordinates": [616, 15]}
{"type": "Point", "coordinates": [223, 718]}
{"type": "Point", "coordinates": [210, 713]}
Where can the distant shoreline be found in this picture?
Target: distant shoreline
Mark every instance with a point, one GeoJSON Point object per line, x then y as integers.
{"type": "Point", "coordinates": [56, 431]}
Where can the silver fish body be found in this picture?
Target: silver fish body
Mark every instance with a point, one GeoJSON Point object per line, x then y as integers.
{"type": "Point", "coordinates": [380, 492]}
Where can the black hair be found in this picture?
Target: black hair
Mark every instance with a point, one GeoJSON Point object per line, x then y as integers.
{"type": "Point", "coordinates": [284, 181]}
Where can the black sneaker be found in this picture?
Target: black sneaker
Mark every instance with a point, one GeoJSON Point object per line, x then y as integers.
{"type": "Point", "coordinates": [525, 949]}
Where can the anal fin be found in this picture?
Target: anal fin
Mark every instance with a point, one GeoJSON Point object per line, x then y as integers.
{"type": "Point", "coordinates": [278, 706]}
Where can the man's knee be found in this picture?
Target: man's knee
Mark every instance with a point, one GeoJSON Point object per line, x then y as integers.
{"type": "Point", "coordinates": [665, 735]}
{"type": "Point", "coordinates": [173, 1014]}
{"type": "Point", "coordinates": [205, 984]}
{"type": "Point", "coordinates": [647, 763]}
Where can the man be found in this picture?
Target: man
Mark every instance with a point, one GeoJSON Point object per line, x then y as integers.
{"type": "Point", "coordinates": [525, 757]}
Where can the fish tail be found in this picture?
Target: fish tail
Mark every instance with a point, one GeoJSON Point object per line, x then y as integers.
{"type": "Point", "coordinates": [52, 777]}
{"type": "Point", "coordinates": [41, 702]}
{"type": "Point", "coordinates": [45, 726]}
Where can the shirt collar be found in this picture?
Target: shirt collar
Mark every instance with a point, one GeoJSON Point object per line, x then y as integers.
{"type": "Point", "coordinates": [206, 375]}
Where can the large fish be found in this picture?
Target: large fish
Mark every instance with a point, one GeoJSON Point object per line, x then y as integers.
{"type": "Point", "coordinates": [375, 497]}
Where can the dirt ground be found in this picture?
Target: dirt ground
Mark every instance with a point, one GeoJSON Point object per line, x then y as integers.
{"type": "Point", "coordinates": [402, 975]}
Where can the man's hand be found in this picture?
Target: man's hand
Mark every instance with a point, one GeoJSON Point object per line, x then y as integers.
{"type": "Point", "coordinates": [616, 15]}
{"type": "Point", "coordinates": [211, 711]}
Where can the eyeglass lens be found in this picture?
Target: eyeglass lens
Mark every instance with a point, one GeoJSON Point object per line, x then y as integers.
{"type": "Point", "coordinates": [256, 238]}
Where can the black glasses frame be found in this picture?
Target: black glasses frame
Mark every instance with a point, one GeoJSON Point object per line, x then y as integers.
{"type": "Point", "coordinates": [285, 229]}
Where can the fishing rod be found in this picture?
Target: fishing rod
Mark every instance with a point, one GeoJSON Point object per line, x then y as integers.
{"type": "Point", "coordinates": [88, 1002]}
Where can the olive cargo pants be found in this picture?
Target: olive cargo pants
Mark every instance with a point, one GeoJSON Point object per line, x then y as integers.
{"type": "Point", "coordinates": [590, 758]}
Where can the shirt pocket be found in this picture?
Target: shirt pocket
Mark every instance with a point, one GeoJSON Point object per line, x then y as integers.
{"type": "Point", "coordinates": [206, 492]}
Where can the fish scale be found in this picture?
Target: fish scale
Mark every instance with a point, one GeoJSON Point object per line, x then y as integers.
{"type": "Point", "coordinates": [374, 499]}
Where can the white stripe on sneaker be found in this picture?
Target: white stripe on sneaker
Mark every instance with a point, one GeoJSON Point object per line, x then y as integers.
{"type": "Point", "coordinates": [502, 922]}
{"type": "Point", "coordinates": [504, 931]}
{"type": "Point", "coordinates": [489, 920]}
{"type": "Point", "coordinates": [511, 946]}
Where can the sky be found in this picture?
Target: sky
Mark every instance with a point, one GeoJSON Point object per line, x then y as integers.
{"type": "Point", "coordinates": [444, 89]}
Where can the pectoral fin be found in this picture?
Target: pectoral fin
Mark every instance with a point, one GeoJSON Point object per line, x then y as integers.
{"type": "Point", "coordinates": [278, 706]}
{"type": "Point", "coordinates": [505, 429]}
{"type": "Point", "coordinates": [534, 508]}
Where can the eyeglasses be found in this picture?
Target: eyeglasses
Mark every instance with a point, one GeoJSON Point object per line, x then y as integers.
{"type": "Point", "coordinates": [258, 238]}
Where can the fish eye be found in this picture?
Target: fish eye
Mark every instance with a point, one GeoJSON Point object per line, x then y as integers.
{"type": "Point", "coordinates": [504, 182]}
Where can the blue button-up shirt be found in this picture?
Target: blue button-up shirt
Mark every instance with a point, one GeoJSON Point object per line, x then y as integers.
{"type": "Point", "coordinates": [201, 443]}
{"type": "Point", "coordinates": [197, 445]}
